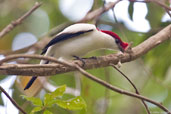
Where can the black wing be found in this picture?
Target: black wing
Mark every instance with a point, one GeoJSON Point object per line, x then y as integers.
{"type": "Point", "coordinates": [62, 37]}
{"type": "Point", "coordinates": [32, 80]}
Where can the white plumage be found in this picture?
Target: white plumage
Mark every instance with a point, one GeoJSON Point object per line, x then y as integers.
{"type": "Point", "coordinates": [82, 44]}
{"type": "Point", "coordinates": [78, 40]}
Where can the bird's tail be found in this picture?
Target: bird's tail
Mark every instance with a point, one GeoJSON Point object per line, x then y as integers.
{"type": "Point", "coordinates": [30, 82]}
{"type": "Point", "coordinates": [34, 77]}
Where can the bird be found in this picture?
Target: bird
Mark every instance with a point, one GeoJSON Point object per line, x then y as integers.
{"type": "Point", "coordinates": [76, 41]}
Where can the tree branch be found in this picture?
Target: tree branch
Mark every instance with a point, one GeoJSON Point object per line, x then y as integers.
{"type": "Point", "coordinates": [12, 100]}
{"type": "Point", "coordinates": [96, 13]}
{"type": "Point", "coordinates": [13, 24]}
{"type": "Point", "coordinates": [133, 85]}
{"type": "Point", "coordinates": [111, 87]}
{"type": "Point", "coordinates": [103, 61]}
{"type": "Point", "coordinates": [40, 44]}
{"type": "Point", "coordinates": [107, 85]}
{"type": "Point", "coordinates": [51, 69]}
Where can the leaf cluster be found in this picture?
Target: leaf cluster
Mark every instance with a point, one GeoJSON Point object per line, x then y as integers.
{"type": "Point", "coordinates": [55, 98]}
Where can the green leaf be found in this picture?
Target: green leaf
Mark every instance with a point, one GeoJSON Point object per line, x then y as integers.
{"type": "Point", "coordinates": [36, 109]}
{"type": "Point", "coordinates": [59, 91]}
{"type": "Point", "coordinates": [35, 101]}
{"type": "Point", "coordinates": [73, 104]}
{"type": "Point", "coordinates": [49, 100]}
{"type": "Point", "coordinates": [131, 10]}
{"type": "Point", "coordinates": [47, 112]}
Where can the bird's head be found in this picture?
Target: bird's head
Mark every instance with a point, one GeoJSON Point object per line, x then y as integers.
{"type": "Point", "coordinates": [121, 45]}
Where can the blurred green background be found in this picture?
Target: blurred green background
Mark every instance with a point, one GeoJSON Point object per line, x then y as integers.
{"type": "Point", "coordinates": [135, 22]}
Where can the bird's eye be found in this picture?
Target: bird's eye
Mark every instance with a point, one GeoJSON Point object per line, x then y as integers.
{"type": "Point", "coordinates": [117, 41]}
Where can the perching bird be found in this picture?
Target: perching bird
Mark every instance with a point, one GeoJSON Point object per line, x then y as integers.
{"type": "Point", "coordinates": [77, 40]}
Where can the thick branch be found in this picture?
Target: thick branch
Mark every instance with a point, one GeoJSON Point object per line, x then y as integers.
{"type": "Point", "coordinates": [103, 61]}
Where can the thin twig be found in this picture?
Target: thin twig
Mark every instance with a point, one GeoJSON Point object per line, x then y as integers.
{"type": "Point", "coordinates": [158, 2]}
{"type": "Point", "coordinates": [96, 13]}
{"type": "Point", "coordinates": [51, 59]}
{"type": "Point", "coordinates": [109, 86]}
{"type": "Point", "coordinates": [12, 100]}
{"type": "Point", "coordinates": [13, 24]}
{"type": "Point", "coordinates": [90, 15]}
{"type": "Point", "coordinates": [168, 12]}
{"type": "Point", "coordinates": [133, 85]}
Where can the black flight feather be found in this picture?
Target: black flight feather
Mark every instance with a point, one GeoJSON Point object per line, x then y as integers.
{"type": "Point", "coordinates": [58, 38]}
{"type": "Point", "coordinates": [62, 37]}
{"type": "Point", "coordinates": [32, 80]}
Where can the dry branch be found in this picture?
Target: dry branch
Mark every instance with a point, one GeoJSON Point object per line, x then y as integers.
{"type": "Point", "coordinates": [133, 85]}
{"type": "Point", "coordinates": [40, 44]}
{"type": "Point", "coordinates": [12, 100]}
{"type": "Point", "coordinates": [103, 61]}
{"type": "Point", "coordinates": [96, 13]}
{"type": "Point", "coordinates": [13, 24]}
{"type": "Point", "coordinates": [111, 87]}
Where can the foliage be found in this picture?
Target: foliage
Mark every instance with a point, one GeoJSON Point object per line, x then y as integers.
{"type": "Point", "coordinates": [53, 98]}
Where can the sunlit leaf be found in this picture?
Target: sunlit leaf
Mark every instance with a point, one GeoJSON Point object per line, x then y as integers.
{"type": "Point", "coordinates": [74, 104]}
{"type": "Point", "coordinates": [47, 112]}
{"type": "Point", "coordinates": [59, 91]}
{"type": "Point", "coordinates": [49, 100]}
{"type": "Point", "coordinates": [34, 100]}
{"type": "Point", "coordinates": [36, 109]}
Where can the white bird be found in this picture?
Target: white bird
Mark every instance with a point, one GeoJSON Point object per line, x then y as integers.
{"type": "Point", "coordinates": [77, 40]}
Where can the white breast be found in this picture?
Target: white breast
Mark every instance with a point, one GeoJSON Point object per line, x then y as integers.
{"type": "Point", "coordinates": [82, 44]}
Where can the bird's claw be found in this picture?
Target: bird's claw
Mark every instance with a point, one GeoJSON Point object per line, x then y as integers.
{"type": "Point", "coordinates": [93, 57]}
{"type": "Point", "coordinates": [129, 48]}
{"type": "Point", "coordinates": [81, 59]}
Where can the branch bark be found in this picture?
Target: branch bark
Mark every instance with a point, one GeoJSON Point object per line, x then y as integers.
{"type": "Point", "coordinates": [113, 88]}
{"type": "Point", "coordinates": [133, 85]}
{"type": "Point", "coordinates": [98, 12]}
{"type": "Point", "coordinates": [12, 100]}
{"type": "Point", "coordinates": [13, 24]}
{"type": "Point", "coordinates": [103, 61]}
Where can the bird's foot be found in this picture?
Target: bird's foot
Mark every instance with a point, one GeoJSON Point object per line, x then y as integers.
{"type": "Point", "coordinates": [93, 57]}
{"type": "Point", "coordinates": [120, 55]}
{"type": "Point", "coordinates": [81, 59]}
{"type": "Point", "coordinates": [129, 48]}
